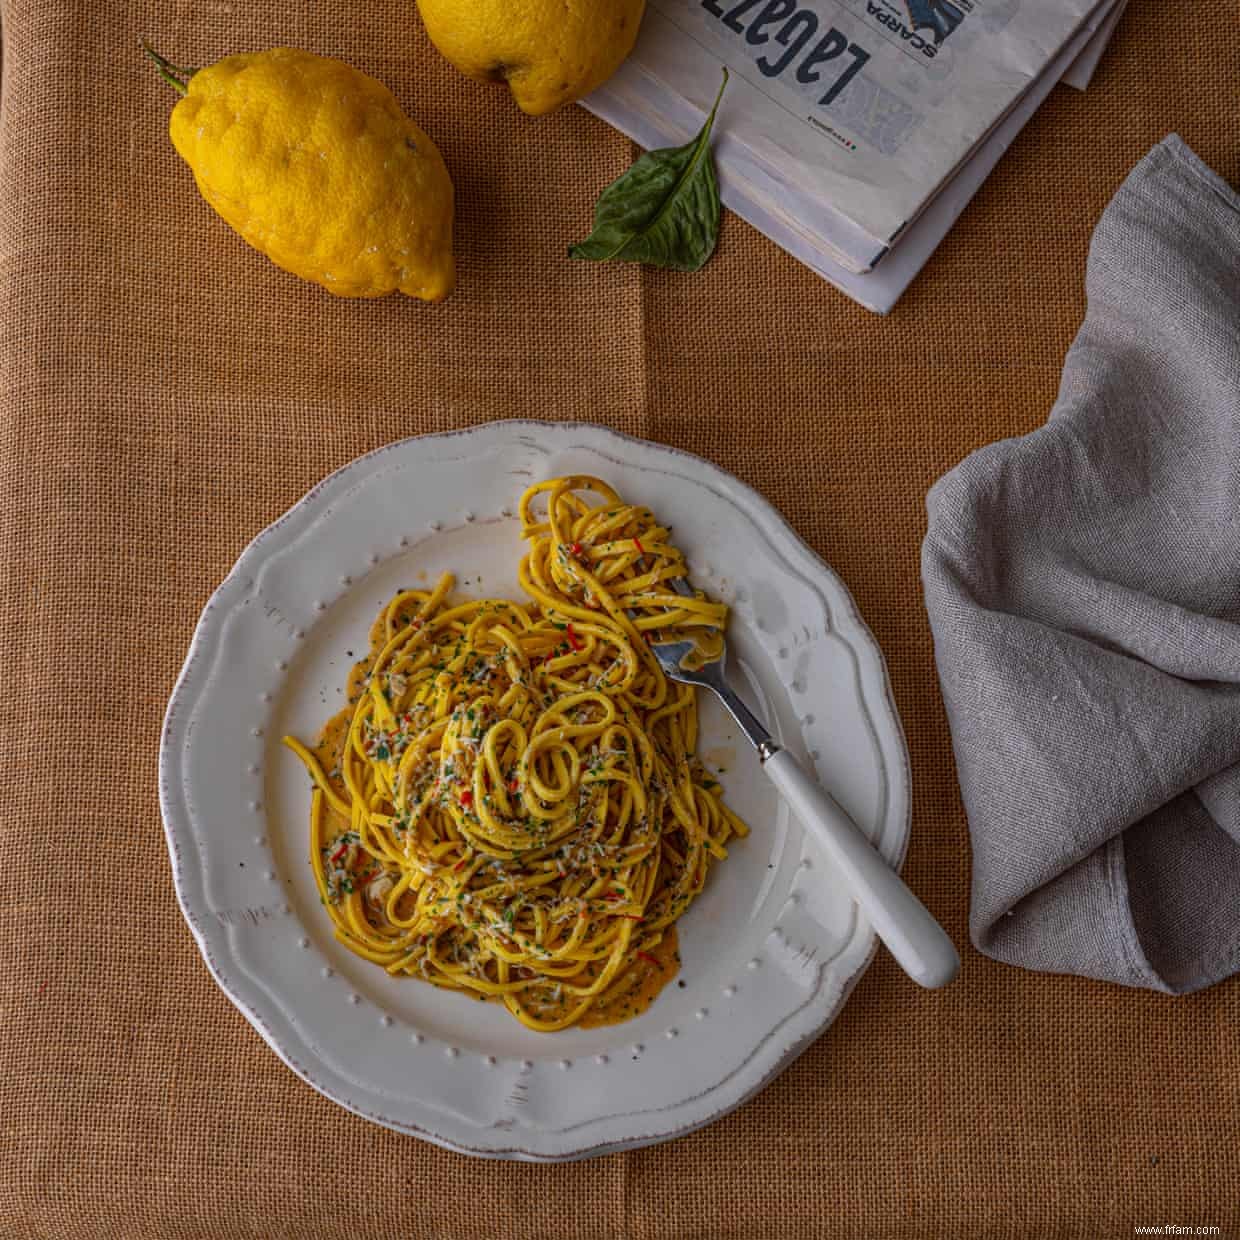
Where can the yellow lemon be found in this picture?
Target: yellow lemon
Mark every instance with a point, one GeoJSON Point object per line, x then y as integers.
{"type": "Point", "coordinates": [314, 164]}
{"type": "Point", "coordinates": [548, 51]}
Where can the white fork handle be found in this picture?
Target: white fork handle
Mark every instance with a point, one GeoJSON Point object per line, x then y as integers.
{"type": "Point", "coordinates": [919, 944]}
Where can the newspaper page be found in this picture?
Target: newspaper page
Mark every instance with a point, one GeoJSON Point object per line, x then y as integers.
{"type": "Point", "coordinates": [853, 111]}
{"type": "Point", "coordinates": [1086, 64]}
{"type": "Point", "coordinates": [655, 115]}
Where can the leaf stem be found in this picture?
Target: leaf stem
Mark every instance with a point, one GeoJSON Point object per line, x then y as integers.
{"type": "Point", "coordinates": [171, 73]}
{"type": "Point", "coordinates": [710, 120]}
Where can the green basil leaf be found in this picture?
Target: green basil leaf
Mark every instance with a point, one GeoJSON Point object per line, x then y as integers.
{"type": "Point", "coordinates": [664, 211]}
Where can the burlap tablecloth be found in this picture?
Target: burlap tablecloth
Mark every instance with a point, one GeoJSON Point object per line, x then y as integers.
{"type": "Point", "coordinates": [165, 393]}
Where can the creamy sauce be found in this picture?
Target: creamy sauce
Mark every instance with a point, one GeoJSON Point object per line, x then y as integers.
{"type": "Point", "coordinates": [722, 757]}
{"type": "Point", "coordinates": [648, 977]}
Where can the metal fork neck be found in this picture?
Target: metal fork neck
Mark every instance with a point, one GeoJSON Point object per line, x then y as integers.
{"type": "Point", "coordinates": [755, 730]}
{"type": "Point", "coordinates": [753, 727]}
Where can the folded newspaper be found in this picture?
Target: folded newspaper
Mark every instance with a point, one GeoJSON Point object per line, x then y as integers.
{"type": "Point", "coordinates": [853, 132]}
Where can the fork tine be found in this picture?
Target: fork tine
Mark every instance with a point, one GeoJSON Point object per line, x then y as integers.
{"type": "Point", "coordinates": [670, 653]}
{"type": "Point", "coordinates": [669, 656]}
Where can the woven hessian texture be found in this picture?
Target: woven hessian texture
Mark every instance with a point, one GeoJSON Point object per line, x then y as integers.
{"type": "Point", "coordinates": [165, 393]}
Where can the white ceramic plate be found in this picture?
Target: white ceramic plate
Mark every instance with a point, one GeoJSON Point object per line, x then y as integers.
{"type": "Point", "coordinates": [770, 950]}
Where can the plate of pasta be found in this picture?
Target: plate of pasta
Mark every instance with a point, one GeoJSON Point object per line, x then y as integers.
{"type": "Point", "coordinates": [465, 858]}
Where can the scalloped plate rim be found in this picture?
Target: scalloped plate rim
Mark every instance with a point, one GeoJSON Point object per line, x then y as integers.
{"type": "Point", "coordinates": [820, 1010]}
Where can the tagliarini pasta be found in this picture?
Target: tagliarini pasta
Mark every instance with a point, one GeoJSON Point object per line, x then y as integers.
{"type": "Point", "coordinates": [511, 804]}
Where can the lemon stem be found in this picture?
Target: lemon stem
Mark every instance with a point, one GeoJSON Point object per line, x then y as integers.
{"type": "Point", "coordinates": [172, 74]}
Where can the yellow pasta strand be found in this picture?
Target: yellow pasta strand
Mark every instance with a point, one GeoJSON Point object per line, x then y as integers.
{"type": "Point", "coordinates": [516, 810]}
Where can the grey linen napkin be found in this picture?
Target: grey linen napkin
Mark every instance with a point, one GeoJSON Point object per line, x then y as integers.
{"type": "Point", "coordinates": [1083, 585]}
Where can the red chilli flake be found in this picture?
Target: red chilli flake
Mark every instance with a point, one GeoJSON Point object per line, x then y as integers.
{"type": "Point", "coordinates": [573, 639]}
{"type": "Point", "coordinates": [577, 549]}
{"type": "Point", "coordinates": [637, 542]}
{"type": "Point", "coordinates": [467, 798]}
{"type": "Point", "coordinates": [460, 865]}
{"type": "Point", "coordinates": [650, 958]}
{"type": "Point", "coordinates": [340, 852]}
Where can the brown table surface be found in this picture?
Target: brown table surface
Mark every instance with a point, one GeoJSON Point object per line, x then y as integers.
{"type": "Point", "coordinates": [165, 393]}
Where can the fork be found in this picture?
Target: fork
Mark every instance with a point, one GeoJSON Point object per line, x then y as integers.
{"type": "Point", "coordinates": [919, 944]}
